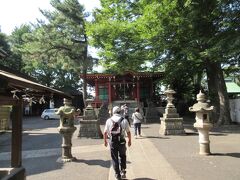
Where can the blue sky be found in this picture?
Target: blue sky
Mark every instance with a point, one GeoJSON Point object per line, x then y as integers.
{"type": "Point", "coordinates": [13, 13]}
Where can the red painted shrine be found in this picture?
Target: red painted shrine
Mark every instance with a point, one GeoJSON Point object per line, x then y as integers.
{"type": "Point", "coordinates": [131, 86]}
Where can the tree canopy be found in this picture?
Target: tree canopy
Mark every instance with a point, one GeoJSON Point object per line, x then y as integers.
{"type": "Point", "coordinates": [56, 50]}
{"type": "Point", "coordinates": [189, 38]}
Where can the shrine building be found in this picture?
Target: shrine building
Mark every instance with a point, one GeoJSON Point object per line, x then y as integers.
{"type": "Point", "coordinates": [130, 87]}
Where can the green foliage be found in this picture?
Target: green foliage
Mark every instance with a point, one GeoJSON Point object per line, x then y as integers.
{"type": "Point", "coordinates": [4, 45]}
{"type": "Point", "coordinates": [186, 37]}
{"type": "Point", "coordinates": [183, 35]}
{"type": "Point", "coordinates": [114, 32]}
{"type": "Point", "coordinates": [56, 50]}
{"type": "Point", "coordinates": [16, 40]}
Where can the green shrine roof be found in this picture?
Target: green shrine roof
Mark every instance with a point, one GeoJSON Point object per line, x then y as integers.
{"type": "Point", "coordinates": [232, 87]}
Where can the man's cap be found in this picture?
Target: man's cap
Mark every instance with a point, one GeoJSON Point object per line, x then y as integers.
{"type": "Point", "coordinates": [124, 106]}
{"type": "Point", "coordinates": [116, 109]}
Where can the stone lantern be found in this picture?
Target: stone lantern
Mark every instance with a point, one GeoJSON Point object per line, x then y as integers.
{"type": "Point", "coordinates": [89, 124]}
{"type": "Point", "coordinates": [171, 123]}
{"type": "Point", "coordinates": [202, 123]}
{"type": "Point", "coordinates": [66, 128]}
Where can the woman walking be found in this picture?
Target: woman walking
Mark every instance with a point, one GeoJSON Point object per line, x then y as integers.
{"type": "Point", "coordinates": [137, 120]}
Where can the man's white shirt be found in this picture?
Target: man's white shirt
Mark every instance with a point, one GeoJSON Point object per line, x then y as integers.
{"type": "Point", "coordinates": [116, 118]}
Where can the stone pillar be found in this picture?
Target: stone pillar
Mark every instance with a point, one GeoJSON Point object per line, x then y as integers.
{"type": "Point", "coordinates": [5, 112]}
{"type": "Point", "coordinates": [151, 114]}
{"type": "Point", "coordinates": [66, 129]}
{"type": "Point", "coordinates": [67, 133]}
{"type": "Point", "coordinates": [202, 123]}
{"type": "Point", "coordinates": [171, 123]}
{"type": "Point", "coordinates": [103, 113]}
{"type": "Point", "coordinates": [89, 125]}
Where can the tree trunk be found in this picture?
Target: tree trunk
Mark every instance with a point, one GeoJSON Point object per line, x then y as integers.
{"type": "Point", "coordinates": [85, 67]}
{"type": "Point", "coordinates": [218, 93]}
{"type": "Point", "coordinates": [84, 86]}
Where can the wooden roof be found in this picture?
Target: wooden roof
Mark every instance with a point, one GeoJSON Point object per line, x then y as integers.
{"type": "Point", "coordinates": [12, 82]}
{"type": "Point", "coordinates": [134, 74]}
{"type": "Point", "coordinates": [91, 77]}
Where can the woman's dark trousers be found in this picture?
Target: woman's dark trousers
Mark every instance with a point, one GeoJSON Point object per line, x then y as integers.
{"type": "Point", "coordinates": [137, 128]}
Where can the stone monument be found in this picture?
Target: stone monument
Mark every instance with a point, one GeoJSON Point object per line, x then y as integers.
{"type": "Point", "coordinates": [89, 125]}
{"type": "Point", "coordinates": [202, 123]}
{"type": "Point", "coordinates": [171, 123]}
{"type": "Point", "coordinates": [103, 113]}
{"type": "Point", "coordinates": [66, 128]}
{"type": "Point", "coordinates": [151, 114]}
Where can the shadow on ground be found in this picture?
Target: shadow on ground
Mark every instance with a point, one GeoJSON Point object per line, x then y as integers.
{"type": "Point", "coordinates": [211, 134]}
{"type": "Point", "coordinates": [236, 155]}
{"type": "Point", "coordinates": [153, 137]}
{"type": "Point", "coordinates": [44, 164]}
{"type": "Point", "coordinates": [145, 127]}
{"type": "Point", "coordinates": [94, 162]}
{"type": "Point", "coordinates": [143, 179]}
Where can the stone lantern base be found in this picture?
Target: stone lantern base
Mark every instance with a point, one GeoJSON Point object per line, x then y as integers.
{"type": "Point", "coordinates": [67, 133]}
{"type": "Point", "coordinates": [171, 123]}
{"type": "Point", "coordinates": [90, 129]}
{"type": "Point", "coordinates": [204, 142]}
{"type": "Point", "coordinates": [171, 126]}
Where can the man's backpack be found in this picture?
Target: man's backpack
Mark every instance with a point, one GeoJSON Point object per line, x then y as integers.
{"type": "Point", "coordinates": [116, 131]}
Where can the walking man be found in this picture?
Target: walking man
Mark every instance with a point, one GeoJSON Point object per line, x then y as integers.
{"type": "Point", "coordinates": [115, 129]}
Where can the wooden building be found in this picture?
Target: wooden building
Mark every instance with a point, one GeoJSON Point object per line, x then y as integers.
{"type": "Point", "coordinates": [14, 88]}
{"type": "Point", "coordinates": [138, 87]}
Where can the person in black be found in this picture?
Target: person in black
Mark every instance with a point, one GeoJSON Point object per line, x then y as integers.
{"type": "Point", "coordinates": [117, 145]}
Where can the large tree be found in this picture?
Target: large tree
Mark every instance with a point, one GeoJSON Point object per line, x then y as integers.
{"type": "Point", "coordinates": [203, 33]}
{"type": "Point", "coordinates": [114, 32]}
{"type": "Point", "coordinates": [61, 41]}
{"type": "Point", "coordinates": [191, 37]}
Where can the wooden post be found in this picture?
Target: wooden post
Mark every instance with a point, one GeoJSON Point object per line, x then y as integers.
{"type": "Point", "coordinates": [138, 90]}
{"type": "Point", "coordinates": [96, 89]}
{"type": "Point", "coordinates": [109, 91]}
{"type": "Point", "coordinates": [16, 153]}
{"type": "Point", "coordinates": [151, 88]}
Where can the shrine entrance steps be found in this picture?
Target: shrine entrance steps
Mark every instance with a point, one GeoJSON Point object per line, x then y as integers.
{"type": "Point", "coordinates": [132, 104]}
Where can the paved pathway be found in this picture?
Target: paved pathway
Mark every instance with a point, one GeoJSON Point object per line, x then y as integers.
{"type": "Point", "coordinates": [145, 162]}
{"type": "Point", "coordinates": [152, 157]}
{"type": "Point", "coordinates": [156, 157]}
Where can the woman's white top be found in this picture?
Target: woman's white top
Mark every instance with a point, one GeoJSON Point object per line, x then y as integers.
{"type": "Point", "coordinates": [137, 117]}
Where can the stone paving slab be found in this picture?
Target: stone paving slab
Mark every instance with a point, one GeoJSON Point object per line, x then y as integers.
{"type": "Point", "coordinates": [88, 166]}
{"type": "Point", "coordinates": [145, 162]}
{"type": "Point", "coordinates": [182, 152]}
{"type": "Point", "coordinates": [42, 150]}
{"type": "Point", "coordinates": [52, 152]}
{"type": "Point", "coordinates": [157, 157]}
